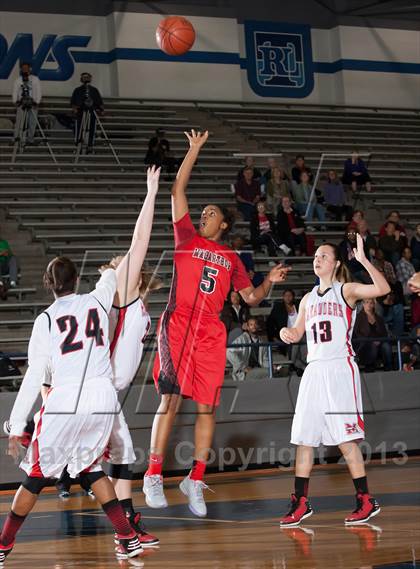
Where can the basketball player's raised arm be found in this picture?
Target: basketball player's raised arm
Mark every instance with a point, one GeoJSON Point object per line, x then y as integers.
{"type": "Point", "coordinates": [295, 334]}
{"type": "Point", "coordinates": [105, 289]}
{"type": "Point", "coordinates": [356, 291]}
{"type": "Point", "coordinates": [129, 270]}
{"type": "Point", "coordinates": [38, 362]}
{"type": "Point", "coordinates": [179, 198]}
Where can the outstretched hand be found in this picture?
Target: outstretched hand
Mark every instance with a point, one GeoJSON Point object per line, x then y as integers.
{"type": "Point", "coordinates": [414, 284]}
{"type": "Point", "coordinates": [153, 174]}
{"type": "Point", "coordinates": [197, 139]}
{"type": "Point", "coordinates": [289, 335]}
{"type": "Point", "coordinates": [278, 273]}
{"type": "Point", "coordinates": [359, 252]}
{"type": "Point", "coordinates": [14, 446]}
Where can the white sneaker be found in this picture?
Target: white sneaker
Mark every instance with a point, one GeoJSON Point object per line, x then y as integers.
{"type": "Point", "coordinates": [286, 250]}
{"type": "Point", "coordinates": [193, 489]}
{"type": "Point", "coordinates": [153, 490]}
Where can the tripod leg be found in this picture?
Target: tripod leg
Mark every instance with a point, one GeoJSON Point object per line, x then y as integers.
{"type": "Point", "coordinates": [107, 139]}
{"type": "Point", "coordinates": [80, 137]}
{"type": "Point", "coordinates": [44, 138]}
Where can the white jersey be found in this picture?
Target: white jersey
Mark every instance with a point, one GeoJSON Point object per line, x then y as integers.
{"type": "Point", "coordinates": [329, 322]}
{"type": "Point", "coordinates": [70, 343]}
{"type": "Point", "coordinates": [129, 326]}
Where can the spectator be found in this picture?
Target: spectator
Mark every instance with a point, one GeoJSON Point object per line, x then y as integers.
{"type": "Point", "coordinates": [248, 362]}
{"type": "Point", "coordinates": [276, 188]}
{"type": "Point", "coordinates": [248, 194]}
{"type": "Point", "coordinates": [346, 248]}
{"type": "Point", "coordinates": [8, 263]}
{"type": "Point", "coordinates": [237, 244]}
{"type": "Point", "coordinates": [263, 232]}
{"type": "Point", "coordinates": [272, 165]}
{"type": "Point", "coordinates": [393, 310]}
{"type": "Point", "coordinates": [302, 194]}
{"type": "Point", "coordinates": [300, 167]}
{"type": "Point", "coordinates": [368, 239]}
{"type": "Point", "coordinates": [291, 228]}
{"type": "Point", "coordinates": [234, 315]}
{"type": "Point", "coordinates": [355, 173]}
{"type": "Point", "coordinates": [415, 310]}
{"type": "Point", "coordinates": [370, 325]}
{"type": "Point", "coordinates": [249, 163]}
{"type": "Point", "coordinates": [394, 216]}
{"type": "Point", "coordinates": [384, 267]}
{"type": "Point", "coordinates": [415, 248]}
{"type": "Point", "coordinates": [391, 243]}
{"type": "Point", "coordinates": [159, 153]}
{"type": "Point", "coordinates": [335, 198]}
{"type": "Point", "coordinates": [356, 217]}
{"type": "Point", "coordinates": [405, 270]}
{"type": "Point", "coordinates": [86, 101]}
{"type": "Point", "coordinates": [27, 97]}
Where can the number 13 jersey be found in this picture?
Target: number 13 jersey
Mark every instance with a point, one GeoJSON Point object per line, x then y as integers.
{"type": "Point", "coordinates": [203, 272]}
{"type": "Point", "coordinates": [329, 322]}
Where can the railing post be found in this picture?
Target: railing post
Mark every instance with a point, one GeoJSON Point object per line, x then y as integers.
{"type": "Point", "coordinates": [400, 366]}
{"type": "Point", "coordinates": [270, 362]}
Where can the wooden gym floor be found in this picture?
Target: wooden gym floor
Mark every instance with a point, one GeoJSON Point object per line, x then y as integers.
{"type": "Point", "coordinates": [242, 530]}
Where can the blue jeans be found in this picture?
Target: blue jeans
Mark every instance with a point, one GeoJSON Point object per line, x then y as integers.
{"type": "Point", "coordinates": [314, 207]}
{"type": "Point", "coordinates": [394, 317]}
{"type": "Point", "coordinates": [247, 210]}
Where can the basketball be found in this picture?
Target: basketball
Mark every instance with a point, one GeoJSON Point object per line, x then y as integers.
{"type": "Point", "coordinates": [175, 35]}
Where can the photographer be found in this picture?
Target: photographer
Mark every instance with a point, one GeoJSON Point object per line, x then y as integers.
{"type": "Point", "coordinates": [159, 153]}
{"type": "Point", "coordinates": [26, 96]}
{"type": "Point", "coordinates": [86, 101]}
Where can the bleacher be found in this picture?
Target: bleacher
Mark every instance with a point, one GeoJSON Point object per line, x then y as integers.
{"type": "Point", "coordinates": [92, 206]}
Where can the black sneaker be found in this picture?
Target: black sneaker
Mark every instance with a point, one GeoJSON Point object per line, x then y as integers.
{"type": "Point", "coordinates": [128, 547]}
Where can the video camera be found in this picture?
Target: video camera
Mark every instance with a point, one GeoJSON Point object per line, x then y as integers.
{"type": "Point", "coordinates": [26, 100]}
{"type": "Point", "coordinates": [87, 100]}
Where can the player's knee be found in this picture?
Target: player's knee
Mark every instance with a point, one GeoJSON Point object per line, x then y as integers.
{"type": "Point", "coordinates": [87, 479]}
{"type": "Point", "coordinates": [120, 472]}
{"type": "Point", "coordinates": [34, 485]}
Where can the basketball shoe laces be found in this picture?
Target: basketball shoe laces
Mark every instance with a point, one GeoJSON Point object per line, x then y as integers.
{"type": "Point", "coordinates": [198, 487]}
{"type": "Point", "coordinates": [156, 485]}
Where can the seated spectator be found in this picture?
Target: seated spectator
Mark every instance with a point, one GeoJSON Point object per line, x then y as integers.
{"type": "Point", "coordinates": [384, 267]}
{"type": "Point", "coordinates": [268, 174]}
{"type": "Point", "coordinates": [237, 244]}
{"type": "Point", "coordinates": [159, 152]}
{"type": "Point", "coordinates": [415, 248]}
{"type": "Point", "coordinates": [249, 163]}
{"type": "Point", "coordinates": [391, 243]}
{"type": "Point", "coordinates": [263, 232]}
{"type": "Point", "coordinates": [356, 217]}
{"type": "Point", "coordinates": [369, 241]}
{"type": "Point", "coordinates": [355, 173]}
{"type": "Point", "coordinates": [400, 230]}
{"type": "Point", "coordinates": [347, 248]}
{"type": "Point", "coordinates": [248, 362]}
{"type": "Point", "coordinates": [302, 194]}
{"type": "Point", "coordinates": [234, 315]}
{"type": "Point", "coordinates": [405, 270]}
{"type": "Point", "coordinates": [8, 264]}
{"type": "Point", "coordinates": [370, 325]}
{"type": "Point", "coordinates": [248, 194]}
{"type": "Point", "coordinates": [335, 198]}
{"type": "Point", "coordinates": [300, 167]}
{"type": "Point", "coordinates": [391, 308]}
{"type": "Point", "coordinates": [291, 228]}
{"type": "Point", "coordinates": [277, 187]}
{"type": "Point", "coordinates": [410, 353]}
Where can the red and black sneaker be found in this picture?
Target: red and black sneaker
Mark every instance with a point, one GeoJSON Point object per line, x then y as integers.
{"type": "Point", "coordinates": [4, 551]}
{"type": "Point", "coordinates": [128, 546]}
{"type": "Point", "coordinates": [146, 539]}
{"type": "Point", "coordinates": [367, 507]}
{"type": "Point", "coordinates": [300, 508]}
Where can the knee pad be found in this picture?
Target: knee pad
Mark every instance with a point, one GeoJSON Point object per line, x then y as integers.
{"type": "Point", "coordinates": [120, 472]}
{"type": "Point", "coordinates": [35, 485]}
{"type": "Point", "coordinates": [89, 478]}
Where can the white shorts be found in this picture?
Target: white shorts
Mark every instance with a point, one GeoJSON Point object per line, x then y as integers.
{"type": "Point", "coordinates": [120, 449]}
{"type": "Point", "coordinates": [329, 404]}
{"type": "Point", "coordinates": [72, 429]}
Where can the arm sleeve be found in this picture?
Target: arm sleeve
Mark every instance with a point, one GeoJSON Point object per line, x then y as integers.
{"type": "Point", "coordinates": [183, 230]}
{"type": "Point", "coordinates": [240, 279]}
{"type": "Point", "coordinates": [105, 289]}
{"type": "Point", "coordinates": [38, 362]}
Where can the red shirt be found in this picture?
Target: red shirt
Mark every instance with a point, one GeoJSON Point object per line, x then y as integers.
{"type": "Point", "coordinates": [204, 271]}
{"type": "Point", "coordinates": [291, 220]}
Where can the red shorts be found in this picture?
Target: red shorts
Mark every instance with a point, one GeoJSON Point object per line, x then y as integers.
{"type": "Point", "coordinates": [191, 356]}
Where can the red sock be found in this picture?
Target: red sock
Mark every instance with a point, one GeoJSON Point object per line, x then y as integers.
{"type": "Point", "coordinates": [155, 464]}
{"type": "Point", "coordinates": [117, 517]}
{"type": "Point", "coordinates": [10, 528]}
{"type": "Point", "coordinates": [198, 470]}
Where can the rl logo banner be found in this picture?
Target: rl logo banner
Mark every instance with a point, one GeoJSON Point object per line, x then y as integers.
{"type": "Point", "coordinates": [279, 59]}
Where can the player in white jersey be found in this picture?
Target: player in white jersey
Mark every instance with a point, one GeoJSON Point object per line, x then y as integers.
{"type": "Point", "coordinates": [70, 342]}
{"type": "Point", "coordinates": [129, 325]}
{"type": "Point", "coordinates": [329, 404]}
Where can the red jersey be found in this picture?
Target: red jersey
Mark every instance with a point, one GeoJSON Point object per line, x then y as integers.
{"type": "Point", "coordinates": [203, 272]}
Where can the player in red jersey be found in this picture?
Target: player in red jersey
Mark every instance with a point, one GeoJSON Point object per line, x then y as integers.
{"type": "Point", "coordinates": [191, 355]}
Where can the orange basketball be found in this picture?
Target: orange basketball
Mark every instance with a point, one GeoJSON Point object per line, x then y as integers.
{"type": "Point", "coordinates": [175, 35]}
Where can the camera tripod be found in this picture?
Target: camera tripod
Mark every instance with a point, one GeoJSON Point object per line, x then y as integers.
{"type": "Point", "coordinates": [82, 135]}
{"type": "Point", "coordinates": [23, 128]}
